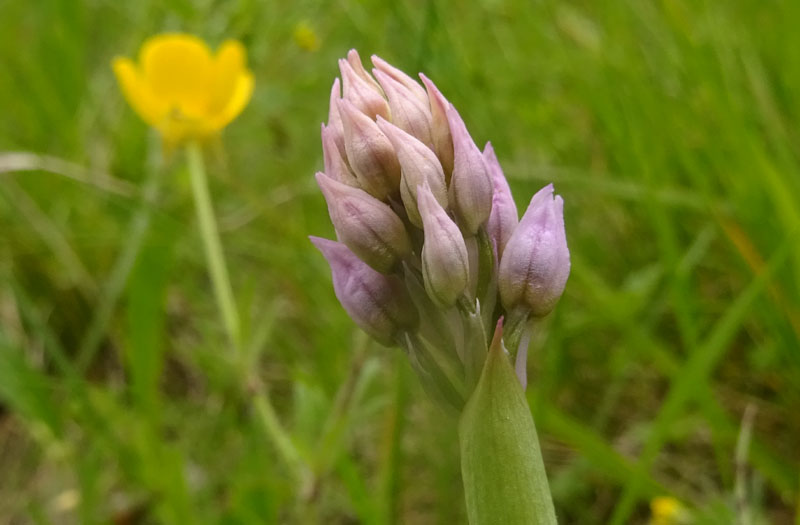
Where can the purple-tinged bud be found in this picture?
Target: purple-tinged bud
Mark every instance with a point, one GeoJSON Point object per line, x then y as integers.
{"type": "Point", "coordinates": [366, 225]}
{"type": "Point", "coordinates": [440, 127]}
{"type": "Point", "coordinates": [419, 165]}
{"type": "Point", "coordinates": [504, 217]}
{"type": "Point", "coordinates": [535, 263]}
{"type": "Point", "coordinates": [408, 113]}
{"type": "Point", "coordinates": [369, 152]}
{"type": "Point", "coordinates": [335, 165]}
{"type": "Point", "coordinates": [445, 266]}
{"type": "Point", "coordinates": [379, 304]}
{"type": "Point", "coordinates": [412, 85]}
{"type": "Point", "coordinates": [364, 95]}
{"type": "Point", "coordinates": [470, 185]}
{"type": "Point", "coordinates": [335, 119]}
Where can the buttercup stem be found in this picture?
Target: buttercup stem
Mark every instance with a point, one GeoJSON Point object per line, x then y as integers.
{"type": "Point", "coordinates": [223, 292]}
{"type": "Point", "coordinates": [213, 247]}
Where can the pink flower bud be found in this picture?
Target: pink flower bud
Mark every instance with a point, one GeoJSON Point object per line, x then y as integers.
{"type": "Point", "coordinates": [445, 266]}
{"type": "Point", "coordinates": [334, 119]}
{"type": "Point", "coordinates": [419, 165]}
{"type": "Point", "coordinates": [335, 165]}
{"type": "Point", "coordinates": [364, 95]}
{"type": "Point", "coordinates": [366, 225]}
{"type": "Point", "coordinates": [408, 112]}
{"type": "Point", "coordinates": [411, 84]}
{"type": "Point", "coordinates": [535, 263]}
{"type": "Point", "coordinates": [440, 127]}
{"type": "Point", "coordinates": [369, 152]}
{"type": "Point", "coordinates": [470, 186]}
{"type": "Point", "coordinates": [504, 217]}
{"type": "Point", "coordinates": [378, 303]}
{"type": "Point", "coordinates": [354, 60]}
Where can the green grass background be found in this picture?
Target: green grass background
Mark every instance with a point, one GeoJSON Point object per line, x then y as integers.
{"type": "Point", "coordinates": [671, 130]}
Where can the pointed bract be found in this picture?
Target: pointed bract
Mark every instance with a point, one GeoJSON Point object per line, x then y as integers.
{"type": "Point", "coordinates": [419, 165]}
{"type": "Point", "coordinates": [535, 263]}
{"type": "Point", "coordinates": [366, 225]}
{"type": "Point", "coordinates": [470, 186]}
{"type": "Point", "coordinates": [379, 304]}
{"type": "Point", "coordinates": [503, 217]}
{"type": "Point", "coordinates": [444, 254]}
{"type": "Point", "coordinates": [369, 153]}
{"type": "Point", "coordinates": [440, 127]}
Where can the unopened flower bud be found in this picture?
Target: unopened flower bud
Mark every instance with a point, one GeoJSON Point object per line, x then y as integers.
{"type": "Point", "coordinates": [335, 119]}
{"type": "Point", "coordinates": [419, 165]}
{"type": "Point", "coordinates": [470, 185]}
{"type": "Point", "coordinates": [366, 225]}
{"type": "Point", "coordinates": [440, 127]}
{"type": "Point", "coordinates": [412, 85]}
{"type": "Point", "coordinates": [369, 152]}
{"type": "Point", "coordinates": [535, 263]}
{"type": "Point", "coordinates": [445, 263]}
{"type": "Point", "coordinates": [408, 112]}
{"type": "Point", "coordinates": [354, 59]}
{"type": "Point", "coordinates": [335, 165]}
{"type": "Point", "coordinates": [364, 95]}
{"type": "Point", "coordinates": [504, 217]}
{"type": "Point", "coordinates": [378, 303]}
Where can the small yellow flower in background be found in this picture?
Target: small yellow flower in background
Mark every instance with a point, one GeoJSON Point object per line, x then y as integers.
{"type": "Point", "coordinates": [666, 510]}
{"type": "Point", "coordinates": [305, 37]}
{"type": "Point", "coordinates": [183, 90]}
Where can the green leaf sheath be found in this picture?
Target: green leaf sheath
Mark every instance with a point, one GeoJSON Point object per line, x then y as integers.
{"type": "Point", "coordinates": [504, 478]}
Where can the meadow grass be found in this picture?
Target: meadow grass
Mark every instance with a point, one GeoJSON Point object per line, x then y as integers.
{"type": "Point", "coordinates": [670, 128]}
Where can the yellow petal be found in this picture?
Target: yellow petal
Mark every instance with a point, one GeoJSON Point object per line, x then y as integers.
{"type": "Point", "coordinates": [239, 99]}
{"type": "Point", "coordinates": [177, 68]}
{"type": "Point", "coordinates": [137, 93]}
{"type": "Point", "coordinates": [228, 65]}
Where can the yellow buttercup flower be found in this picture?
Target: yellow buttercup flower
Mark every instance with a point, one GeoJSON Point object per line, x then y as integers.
{"type": "Point", "coordinates": [183, 90]}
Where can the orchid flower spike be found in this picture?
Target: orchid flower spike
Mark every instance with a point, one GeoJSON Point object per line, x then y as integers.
{"type": "Point", "coordinates": [433, 258]}
{"type": "Point", "coordinates": [430, 246]}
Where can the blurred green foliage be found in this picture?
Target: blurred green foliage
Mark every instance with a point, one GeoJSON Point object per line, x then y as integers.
{"type": "Point", "coordinates": [671, 129]}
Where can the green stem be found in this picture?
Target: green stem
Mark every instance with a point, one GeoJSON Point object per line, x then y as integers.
{"type": "Point", "coordinates": [223, 293]}
{"type": "Point", "coordinates": [213, 247]}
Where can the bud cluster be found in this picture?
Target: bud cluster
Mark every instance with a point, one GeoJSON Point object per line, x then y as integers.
{"type": "Point", "coordinates": [430, 252]}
